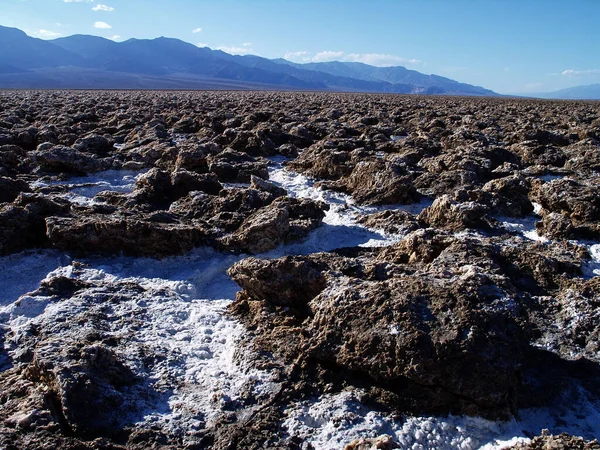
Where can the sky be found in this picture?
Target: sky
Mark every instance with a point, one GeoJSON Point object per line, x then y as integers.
{"type": "Point", "coordinates": [509, 46]}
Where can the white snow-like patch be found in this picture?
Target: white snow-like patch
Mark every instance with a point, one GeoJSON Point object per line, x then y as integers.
{"type": "Point", "coordinates": [81, 190]}
{"type": "Point", "coordinates": [537, 208]}
{"type": "Point", "coordinates": [595, 252]}
{"type": "Point", "coordinates": [332, 421]}
{"type": "Point", "coordinates": [111, 180]}
{"type": "Point", "coordinates": [235, 185]}
{"type": "Point", "coordinates": [524, 226]}
{"type": "Point", "coordinates": [591, 268]}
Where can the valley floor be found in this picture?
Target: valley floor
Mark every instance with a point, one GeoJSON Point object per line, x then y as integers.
{"type": "Point", "coordinates": [296, 270]}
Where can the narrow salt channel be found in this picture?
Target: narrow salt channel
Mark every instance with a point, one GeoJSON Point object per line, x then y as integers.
{"type": "Point", "coordinates": [340, 228]}
{"type": "Point", "coordinates": [201, 371]}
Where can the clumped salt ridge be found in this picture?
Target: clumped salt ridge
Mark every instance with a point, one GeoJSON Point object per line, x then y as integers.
{"type": "Point", "coordinates": [184, 322]}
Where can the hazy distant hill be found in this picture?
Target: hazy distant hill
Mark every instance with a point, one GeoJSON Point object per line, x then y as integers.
{"type": "Point", "coordinates": [587, 92]}
{"type": "Point", "coordinates": [82, 61]}
{"type": "Point", "coordinates": [395, 75]}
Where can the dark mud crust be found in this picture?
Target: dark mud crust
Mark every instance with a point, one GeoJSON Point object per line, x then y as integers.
{"type": "Point", "coordinates": [472, 308]}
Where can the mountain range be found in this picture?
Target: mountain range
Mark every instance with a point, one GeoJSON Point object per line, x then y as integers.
{"type": "Point", "coordinates": [91, 62]}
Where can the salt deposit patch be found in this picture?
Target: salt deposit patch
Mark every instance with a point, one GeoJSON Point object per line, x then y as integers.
{"type": "Point", "coordinates": [595, 252]}
{"type": "Point", "coordinates": [524, 226]}
{"type": "Point", "coordinates": [332, 421]}
{"type": "Point", "coordinates": [82, 189]}
{"type": "Point", "coordinates": [549, 177]}
{"type": "Point", "coordinates": [200, 274]}
{"type": "Point", "coordinates": [111, 180]}
{"type": "Point", "coordinates": [592, 268]}
{"type": "Point", "coordinates": [198, 369]}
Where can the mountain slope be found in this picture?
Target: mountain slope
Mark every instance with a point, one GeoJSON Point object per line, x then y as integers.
{"type": "Point", "coordinates": [24, 52]}
{"type": "Point", "coordinates": [166, 56]}
{"type": "Point", "coordinates": [90, 61]}
{"type": "Point", "coordinates": [586, 92]}
{"type": "Point", "coordinates": [87, 47]}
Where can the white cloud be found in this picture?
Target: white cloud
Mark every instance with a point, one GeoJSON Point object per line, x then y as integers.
{"type": "Point", "coordinates": [374, 59]}
{"type": "Point", "coordinates": [196, 30]}
{"type": "Point", "coordinates": [576, 73]}
{"type": "Point", "coordinates": [298, 57]}
{"type": "Point", "coordinates": [327, 55]}
{"type": "Point", "coordinates": [201, 44]}
{"type": "Point", "coordinates": [116, 37]}
{"type": "Point", "coordinates": [48, 34]}
{"type": "Point", "coordinates": [247, 44]}
{"type": "Point", "coordinates": [102, 25]}
{"type": "Point", "coordinates": [103, 8]}
{"type": "Point", "coordinates": [78, 1]}
{"type": "Point", "coordinates": [379, 59]}
{"type": "Point", "coordinates": [243, 50]}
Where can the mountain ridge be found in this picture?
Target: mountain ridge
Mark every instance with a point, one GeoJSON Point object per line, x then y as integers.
{"type": "Point", "coordinates": [68, 62]}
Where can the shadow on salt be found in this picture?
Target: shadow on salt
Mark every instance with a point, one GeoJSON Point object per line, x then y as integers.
{"type": "Point", "coordinates": [5, 360]}
{"type": "Point", "coordinates": [199, 274]}
{"type": "Point", "coordinates": [22, 272]}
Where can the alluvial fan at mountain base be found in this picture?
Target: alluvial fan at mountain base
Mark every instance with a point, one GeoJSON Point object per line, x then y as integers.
{"type": "Point", "coordinates": [298, 271]}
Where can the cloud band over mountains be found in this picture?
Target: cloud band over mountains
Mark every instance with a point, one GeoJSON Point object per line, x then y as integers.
{"type": "Point", "coordinates": [373, 59]}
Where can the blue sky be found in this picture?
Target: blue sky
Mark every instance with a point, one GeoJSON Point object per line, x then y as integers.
{"type": "Point", "coordinates": [509, 46]}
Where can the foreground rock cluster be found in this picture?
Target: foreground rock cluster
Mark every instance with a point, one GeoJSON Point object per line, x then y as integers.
{"type": "Point", "coordinates": [460, 315]}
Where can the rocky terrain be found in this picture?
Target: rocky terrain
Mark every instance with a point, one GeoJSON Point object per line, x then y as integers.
{"type": "Point", "coordinates": [298, 270]}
